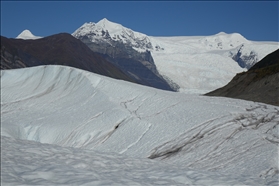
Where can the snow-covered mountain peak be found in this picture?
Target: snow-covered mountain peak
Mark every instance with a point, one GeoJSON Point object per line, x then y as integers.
{"type": "Point", "coordinates": [111, 27]}
{"type": "Point", "coordinates": [106, 31]}
{"type": "Point", "coordinates": [221, 33]}
{"type": "Point", "coordinates": [26, 34]}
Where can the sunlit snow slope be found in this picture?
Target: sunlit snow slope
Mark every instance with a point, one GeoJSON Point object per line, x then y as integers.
{"type": "Point", "coordinates": [199, 64]}
{"type": "Point", "coordinates": [77, 111]}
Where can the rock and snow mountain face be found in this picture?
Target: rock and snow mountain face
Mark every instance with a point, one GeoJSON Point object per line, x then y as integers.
{"type": "Point", "coordinates": [108, 32]}
{"type": "Point", "coordinates": [26, 34]}
{"type": "Point", "coordinates": [62, 125]}
{"type": "Point", "coordinates": [121, 46]}
{"type": "Point", "coordinates": [197, 64]}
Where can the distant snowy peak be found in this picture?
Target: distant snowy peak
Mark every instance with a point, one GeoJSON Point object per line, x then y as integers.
{"type": "Point", "coordinates": [26, 34]}
{"type": "Point", "coordinates": [223, 41]}
{"type": "Point", "coordinates": [109, 32]}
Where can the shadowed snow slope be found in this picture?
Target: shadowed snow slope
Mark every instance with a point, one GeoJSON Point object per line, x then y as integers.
{"type": "Point", "coordinates": [61, 125]}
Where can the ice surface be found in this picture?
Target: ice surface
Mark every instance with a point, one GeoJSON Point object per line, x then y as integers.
{"type": "Point", "coordinates": [61, 125]}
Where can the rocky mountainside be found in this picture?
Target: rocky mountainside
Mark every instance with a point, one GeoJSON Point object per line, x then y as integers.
{"type": "Point", "coordinates": [58, 49]}
{"type": "Point", "coordinates": [259, 83]}
{"type": "Point", "coordinates": [128, 50]}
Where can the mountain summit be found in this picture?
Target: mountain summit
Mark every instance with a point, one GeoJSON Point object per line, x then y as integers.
{"type": "Point", "coordinates": [107, 31]}
{"type": "Point", "coordinates": [113, 28]}
{"type": "Point", "coordinates": [26, 34]}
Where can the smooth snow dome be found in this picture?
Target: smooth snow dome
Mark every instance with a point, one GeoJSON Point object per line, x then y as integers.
{"type": "Point", "coordinates": [26, 34]}
{"type": "Point", "coordinates": [61, 125]}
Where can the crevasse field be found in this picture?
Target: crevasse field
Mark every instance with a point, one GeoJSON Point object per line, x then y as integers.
{"type": "Point", "coordinates": [61, 125]}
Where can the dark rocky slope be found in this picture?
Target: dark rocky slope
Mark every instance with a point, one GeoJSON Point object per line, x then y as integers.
{"type": "Point", "coordinates": [138, 65]}
{"type": "Point", "coordinates": [260, 83]}
{"type": "Point", "coordinates": [58, 49]}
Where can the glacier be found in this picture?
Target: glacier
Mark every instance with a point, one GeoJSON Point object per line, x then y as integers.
{"type": "Point", "coordinates": [196, 64]}
{"type": "Point", "coordinates": [61, 125]}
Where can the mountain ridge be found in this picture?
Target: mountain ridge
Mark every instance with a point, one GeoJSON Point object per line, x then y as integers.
{"type": "Point", "coordinates": [58, 49]}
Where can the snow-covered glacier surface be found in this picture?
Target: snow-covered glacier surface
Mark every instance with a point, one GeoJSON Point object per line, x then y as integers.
{"type": "Point", "coordinates": [200, 64]}
{"type": "Point", "coordinates": [61, 125]}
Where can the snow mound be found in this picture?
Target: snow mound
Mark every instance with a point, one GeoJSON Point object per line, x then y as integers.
{"type": "Point", "coordinates": [80, 111]}
{"type": "Point", "coordinates": [26, 34]}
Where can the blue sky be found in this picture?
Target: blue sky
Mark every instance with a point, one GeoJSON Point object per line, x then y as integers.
{"type": "Point", "coordinates": [255, 20]}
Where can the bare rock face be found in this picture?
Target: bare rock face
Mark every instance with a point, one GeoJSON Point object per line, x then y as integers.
{"type": "Point", "coordinates": [58, 49]}
{"type": "Point", "coordinates": [260, 83]}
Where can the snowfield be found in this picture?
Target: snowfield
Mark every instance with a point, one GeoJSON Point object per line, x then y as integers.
{"type": "Point", "coordinates": [200, 64]}
{"type": "Point", "coordinates": [61, 125]}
